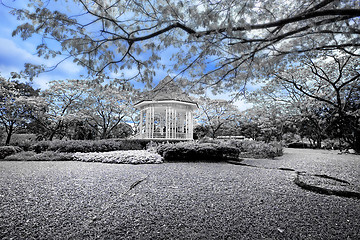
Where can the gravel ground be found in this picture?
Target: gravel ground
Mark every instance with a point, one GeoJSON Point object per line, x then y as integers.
{"type": "Point", "coordinates": [77, 200]}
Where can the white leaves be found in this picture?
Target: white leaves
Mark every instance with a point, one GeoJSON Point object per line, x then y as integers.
{"type": "Point", "coordinates": [123, 157]}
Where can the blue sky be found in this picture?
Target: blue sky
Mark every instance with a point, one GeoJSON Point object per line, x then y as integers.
{"type": "Point", "coordinates": [14, 53]}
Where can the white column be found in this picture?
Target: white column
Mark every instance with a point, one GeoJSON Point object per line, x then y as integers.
{"type": "Point", "coordinates": [172, 123]}
{"type": "Point", "coordinates": [161, 125]}
{"type": "Point", "coordinates": [167, 122]}
{"type": "Point", "coordinates": [146, 123]}
{"type": "Point", "coordinates": [191, 125]}
{"type": "Point", "coordinates": [175, 123]}
{"type": "Point", "coordinates": [181, 123]}
{"type": "Point", "coordinates": [187, 124]}
{"type": "Point", "coordinates": [141, 122]}
{"type": "Point", "coordinates": [152, 122]}
{"type": "Point", "coordinates": [153, 127]}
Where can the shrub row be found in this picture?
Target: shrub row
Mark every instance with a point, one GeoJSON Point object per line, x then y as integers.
{"type": "Point", "coordinates": [129, 157]}
{"type": "Point", "coordinates": [256, 149]}
{"type": "Point", "coordinates": [192, 151]}
{"type": "Point", "coordinates": [213, 150]}
{"type": "Point", "coordinates": [218, 150]}
{"type": "Point", "coordinates": [8, 150]}
{"type": "Point", "coordinates": [72, 146]}
{"type": "Point", "coordinates": [44, 156]}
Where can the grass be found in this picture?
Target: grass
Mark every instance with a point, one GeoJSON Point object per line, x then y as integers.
{"type": "Point", "coordinates": [61, 200]}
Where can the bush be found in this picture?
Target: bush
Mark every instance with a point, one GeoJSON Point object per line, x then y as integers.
{"type": "Point", "coordinates": [45, 156]}
{"type": "Point", "coordinates": [72, 146]}
{"type": "Point", "coordinates": [129, 157]}
{"type": "Point", "coordinates": [8, 150]}
{"type": "Point", "coordinates": [192, 151]}
{"type": "Point", "coordinates": [334, 144]}
{"type": "Point", "coordinates": [105, 145]}
{"type": "Point", "coordinates": [257, 149]}
{"type": "Point", "coordinates": [299, 145]}
{"type": "Point", "coordinates": [253, 149]}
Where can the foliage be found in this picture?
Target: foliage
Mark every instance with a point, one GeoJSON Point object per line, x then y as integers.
{"type": "Point", "coordinates": [83, 109]}
{"type": "Point", "coordinates": [258, 149]}
{"type": "Point", "coordinates": [8, 150]}
{"type": "Point", "coordinates": [44, 156]}
{"type": "Point", "coordinates": [266, 120]}
{"type": "Point", "coordinates": [324, 88]}
{"type": "Point", "coordinates": [218, 150]}
{"type": "Point", "coordinates": [24, 141]}
{"type": "Point", "coordinates": [129, 157]}
{"type": "Point", "coordinates": [89, 145]}
{"type": "Point", "coordinates": [200, 131]}
{"type": "Point", "coordinates": [231, 35]}
{"type": "Point", "coordinates": [299, 145]}
{"type": "Point", "coordinates": [192, 151]}
{"type": "Point", "coordinates": [335, 144]}
{"type": "Point", "coordinates": [107, 106]}
{"type": "Point", "coordinates": [18, 101]}
{"type": "Point", "coordinates": [63, 99]}
{"type": "Point", "coordinates": [216, 115]}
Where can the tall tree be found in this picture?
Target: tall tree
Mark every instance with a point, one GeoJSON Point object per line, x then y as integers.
{"type": "Point", "coordinates": [324, 87]}
{"type": "Point", "coordinates": [216, 114]}
{"type": "Point", "coordinates": [63, 100]}
{"type": "Point", "coordinates": [18, 102]}
{"type": "Point", "coordinates": [238, 38]}
{"type": "Point", "coordinates": [267, 120]}
{"type": "Point", "coordinates": [107, 107]}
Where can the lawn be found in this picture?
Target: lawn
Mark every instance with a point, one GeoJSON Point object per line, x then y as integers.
{"type": "Point", "coordinates": [79, 200]}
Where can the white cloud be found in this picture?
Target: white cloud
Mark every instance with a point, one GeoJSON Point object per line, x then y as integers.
{"type": "Point", "coordinates": [13, 55]}
{"type": "Point", "coordinates": [42, 81]}
{"type": "Point", "coordinates": [68, 67]}
{"type": "Point", "coordinates": [242, 105]}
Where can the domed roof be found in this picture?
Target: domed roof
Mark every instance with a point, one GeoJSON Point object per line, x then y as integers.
{"type": "Point", "coordinates": [167, 89]}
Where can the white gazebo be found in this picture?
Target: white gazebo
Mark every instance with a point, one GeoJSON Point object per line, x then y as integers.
{"type": "Point", "coordinates": [166, 112]}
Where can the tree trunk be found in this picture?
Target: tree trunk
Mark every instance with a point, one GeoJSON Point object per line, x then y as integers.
{"type": "Point", "coordinates": [356, 143]}
{"type": "Point", "coordinates": [9, 134]}
{"type": "Point", "coordinates": [52, 135]}
{"type": "Point", "coordinates": [104, 134]}
{"type": "Point", "coordinates": [318, 143]}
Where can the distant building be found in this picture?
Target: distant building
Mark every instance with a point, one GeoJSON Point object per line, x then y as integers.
{"type": "Point", "coordinates": [166, 112]}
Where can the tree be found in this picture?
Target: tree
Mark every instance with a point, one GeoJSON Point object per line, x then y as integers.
{"type": "Point", "coordinates": [63, 99]}
{"type": "Point", "coordinates": [107, 107]}
{"type": "Point", "coordinates": [238, 38]}
{"type": "Point", "coordinates": [18, 101]}
{"type": "Point", "coordinates": [200, 131]}
{"type": "Point", "coordinates": [267, 120]}
{"type": "Point", "coordinates": [216, 114]}
{"type": "Point", "coordinates": [325, 88]}
{"type": "Point", "coordinates": [313, 121]}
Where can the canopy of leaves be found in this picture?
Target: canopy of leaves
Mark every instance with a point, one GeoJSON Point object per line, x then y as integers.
{"type": "Point", "coordinates": [216, 114]}
{"type": "Point", "coordinates": [219, 43]}
{"type": "Point", "coordinates": [323, 92]}
{"type": "Point", "coordinates": [18, 101]}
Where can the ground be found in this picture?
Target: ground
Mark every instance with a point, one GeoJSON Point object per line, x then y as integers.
{"type": "Point", "coordinates": [57, 200]}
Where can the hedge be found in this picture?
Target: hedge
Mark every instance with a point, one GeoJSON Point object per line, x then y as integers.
{"type": "Point", "coordinates": [192, 151]}
{"type": "Point", "coordinates": [105, 145]}
{"type": "Point", "coordinates": [219, 150]}
{"type": "Point", "coordinates": [72, 146]}
{"type": "Point", "coordinates": [258, 149]}
{"type": "Point", "coordinates": [8, 150]}
{"type": "Point", "coordinates": [127, 157]}
{"type": "Point", "coordinates": [44, 156]}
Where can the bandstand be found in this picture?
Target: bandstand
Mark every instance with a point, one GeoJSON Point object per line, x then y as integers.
{"type": "Point", "coordinates": [166, 112]}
